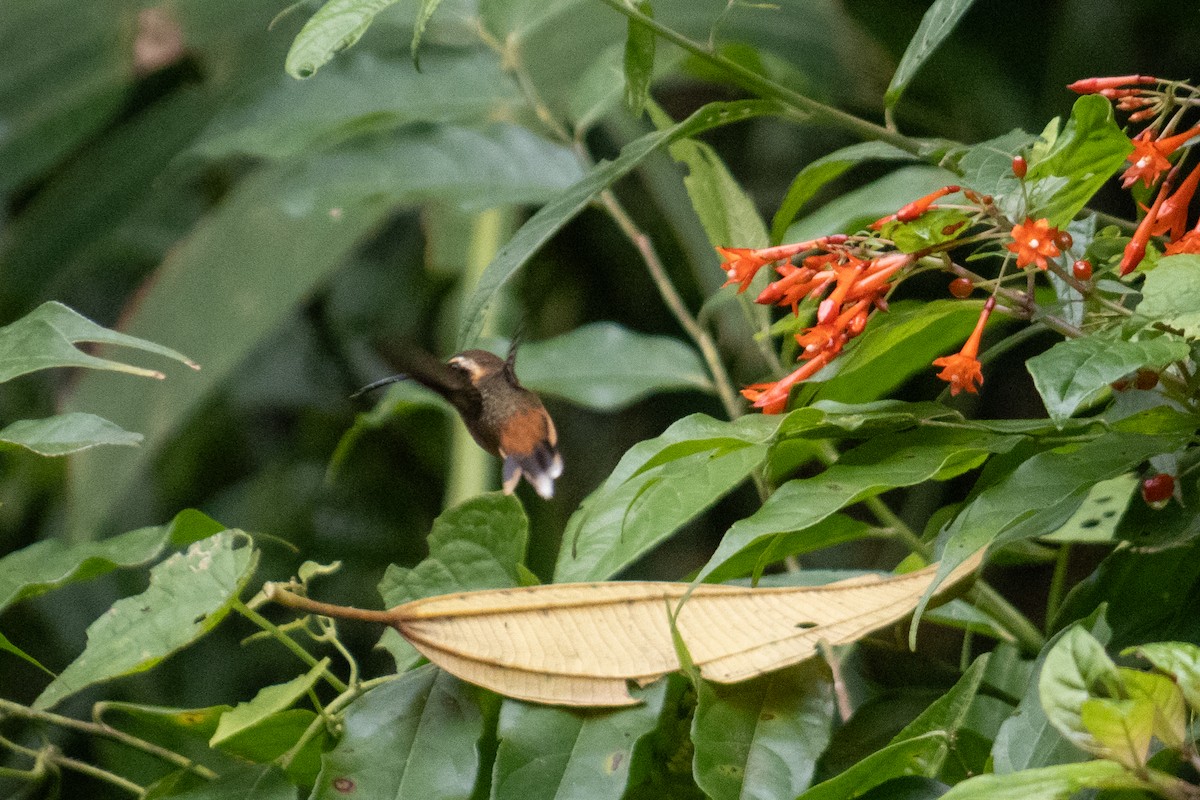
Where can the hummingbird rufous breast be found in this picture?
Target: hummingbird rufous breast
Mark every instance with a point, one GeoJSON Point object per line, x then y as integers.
{"type": "Point", "coordinates": [504, 418]}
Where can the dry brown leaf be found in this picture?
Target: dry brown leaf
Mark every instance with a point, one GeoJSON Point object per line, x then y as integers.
{"type": "Point", "coordinates": [580, 644]}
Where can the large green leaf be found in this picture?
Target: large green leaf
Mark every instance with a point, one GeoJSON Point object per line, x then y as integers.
{"type": "Point", "coordinates": [360, 94]}
{"type": "Point", "coordinates": [338, 24]}
{"type": "Point", "coordinates": [762, 738]}
{"type": "Point", "coordinates": [52, 563]}
{"type": "Point", "coordinates": [1180, 660]}
{"type": "Point", "coordinates": [856, 209]}
{"type": "Point", "coordinates": [478, 544]}
{"type": "Point", "coordinates": [1075, 373]}
{"type": "Point", "coordinates": [65, 433]}
{"type": "Point", "coordinates": [268, 701]}
{"type": "Point", "coordinates": [607, 367]}
{"type": "Point", "coordinates": [416, 736]}
{"type": "Point", "coordinates": [1051, 483]}
{"type": "Point", "coordinates": [935, 26]}
{"type": "Point", "coordinates": [223, 289]}
{"type": "Point", "coordinates": [825, 169]}
{"type": "Point", "coordinates": [46, 338]}
{"type": "Point", "coordinates": [8, 647]}
{"type": "Point", "coordinates": [987, 168]}
{"type": "Point", "coordinates": [658, 486]}
{"type": "Point", "coordinates": [189, 594]}
{"type": "Point", "coordinates": [1171, 294]}
{"type": "Point", "coordinates": [245, 783]}
{"type": "Point", "coordinates": [883, 463]}
{"type": "Point", "coordinates": [555, 214]}
{"type": "Point", "coordinates": [1059, 782]}
{"type": "Point", "coordinates": [1090, 150]}
{"type": "Point", "coordinates": [567, 754]}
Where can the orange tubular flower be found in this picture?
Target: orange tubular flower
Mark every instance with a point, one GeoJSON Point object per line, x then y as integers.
{"type": "Point", "coordinates": [1172, 215]}
{"type": "Point", "coordinates": [741, 264]}
{"type": "Point", "coordinates": [962, 370]}
{"type": "Point", "coordinates": [1188, 243]}
{"type": "Point", "coordinates": [1093, 85]}
{"type": "Point", "coordinates": [1034, 242]}
{"type": "Point", "coordinates": [1135, 251]}
{"type": "Point", "coordinates": [772, 397]}
{"type": "Point", "coordinates": [916, 208]}
{"type": "Point", "coordinates": [1148, 161]}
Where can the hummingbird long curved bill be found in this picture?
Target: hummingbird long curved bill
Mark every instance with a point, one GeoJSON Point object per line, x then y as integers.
{"type": "Point", "coordinates": [504, 418]}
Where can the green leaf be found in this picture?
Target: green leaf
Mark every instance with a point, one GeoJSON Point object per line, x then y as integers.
{"type": "Point", "coordinates": [337, 25]}
{"type": "Point", "coordinates": [547, 752]}
{"type": "Point", "coordinates": [987, 168]}
{"type": "Point", "coordinates": [1098, 515]}
{"type": "Point", "coordinates": [188, 595]}
{"type": "Point", "coordinates": [9, 647]}
{"type": "Point", "coordinates": [817, 173]}
{"type": "Point", "coordinates": [416, 736]}
{"type": "Point", "coordinates": [310, 214]}
{"type": "Point", "coordinates": [908, 757]}
{"type": "Point", "coordinates": [360, 95]}
{"type": "Point", "coordinates": [949, 712]}
{"type": "Point", "coordinates": [1037, 489]}
{"type": "Point", "coordinates": [1089, 151]}
{"type": "Point", "coordinates": [46, 338]}
{"type": "Point", "coordinates": [659, 485]}
{"type": "Point", "coordinates": [66, 433]}
{"type": "Point", "coordinates": [639, 60]}
{"type": "Point", "coordinates": [897, 345]}
{"type": "Point", "coordinates": [1075, 373]}
{"type": "Point", "coordinates": [478, 544]}
{"type": "Point", "coordinates": [1076, 668]}
{"type": "Point", "coordinates": [854, 210]}
{"type": "Point", "coordinates": [934, 227]}
{"type": "Point", "coordinates": [1119, 729]}
{"type": "Point", "coordinates": [762, 738]}
{"type": "Point", "coordinates": [1171, 294]}
{"type": "Point", "coordinates": [935, 26]}
{"type": "Point", "coordinates": [52, 563]}
{"type": "Point", "coordinates": [424, 12]}
{"type": "Point", "coordinates": [1180, 660]}
{"type": "Point", "coordinates": [269, 700]}
{"type": "Point", "coordinates": [247, 783]}
{"type": "Point", "coordinates": [1059, 782]}
{"type": "Point", "coordinates": [883, 463]}
{"type": "Point", "coordinates": [579, 366]}
{"type": "Point", "coordinates": [1170, 712]}
{"type": "Point", "coordinates": [555, 214]}
{"type": "Point", "coordinates": [200, 723]}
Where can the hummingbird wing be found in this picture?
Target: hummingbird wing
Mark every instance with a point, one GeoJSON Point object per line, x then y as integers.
{"type": "Point", "coordinates": [452, 384]}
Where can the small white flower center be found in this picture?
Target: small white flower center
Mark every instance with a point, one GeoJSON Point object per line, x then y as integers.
{"type": "Point", "coordinates": [1034, 243]}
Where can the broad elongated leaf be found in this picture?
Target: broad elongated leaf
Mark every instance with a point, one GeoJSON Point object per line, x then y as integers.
{"type": "Point", "coordinates": [46, 338]}
{"type": "Point", "coordinates": [886, 462]}
{"type": "Point", "coordinates": [1171, 293]}
{"type": "Point", "coordinates": [640, 45]}
{"type": "Point", "coordinates": [414, 737]}
{"type": "Point", "coordinates": [247, 783]}
{"type": "Point", "coordinates": [579, 644]}
{"type": "Point", "coordinates": [935, 26]}
{"type": "Point", "coordinates": [658, 486]}
{"type": "Point", "coordinates": [987, 168]}
{"type": "Point", "coordinates": [1041, 484]}
{"type": "Point", "coordinates": [555, 214]}
{"type": "Point", "coordinates": [1180, 660]}
{"type": "Point", "coordinates": [1076, 668]}
{"type": "Point", "coordinates": [269, 700]}
{"type": "Point", "coordinates": [8, 647]}
{"type": "Point", "coordinates": [310, 215]}
{"type": "Point", "coordinates": [856, 209]}
{"type": "Point", "coordinates": [825, 169]}
{"type": "Point", "coordinates": [580, 366]}
{"type": "Point", "coordinates": [561, 754]}
{"type": "Point", "coordinates": [1098, 515]}
{"type": "Point", "coordinates": [1059, 782]}
{"type": "Point", "coordinates": [66, 433]}
{"type": "Point", "coordinates": [1075, 373]}
{"type": "Point", "coordinates": [478, 544]}
{"type": "Point", "coordinates": [52, 563]}
{"type": "Point", "coordinates": [762, 738]}
{"type": "Point", "coordinates": [188, 595]}
{"type": "Point", "coordinates": [337, 25]}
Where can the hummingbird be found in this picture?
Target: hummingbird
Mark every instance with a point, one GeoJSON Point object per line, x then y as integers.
{"type": "Point", "coordinates": [504, 418]}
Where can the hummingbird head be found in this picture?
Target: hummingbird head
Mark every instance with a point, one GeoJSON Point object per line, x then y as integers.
{"type": "Point", "coordinates": [478, 365]}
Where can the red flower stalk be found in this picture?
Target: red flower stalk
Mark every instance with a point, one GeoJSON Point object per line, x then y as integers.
{"type": "Point", "coordinates": [916, 208]}
{"type": "Point", "coordinates": [1034, 242]}
{"type": "Point", "coordinates": [1135, 251]}
{"type": "Point", "coordinates": [1172, 215]}
{"type": "Point", "coordinates": [962, 370]}
{"type": "Point", "coordinates": [1093, 85]}
{"type": "Point", "coordinates": [1148, 161]}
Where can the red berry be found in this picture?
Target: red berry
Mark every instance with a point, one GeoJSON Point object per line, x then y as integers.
{"type": "Point", "coordinates": [961, 287]}
{"type": "Point", "coordinates": [1146, 379]}
{"type": "Point", "coordinates": [1063, 240]}
{"type": "Point", "coordinates": [1082, 270]}
{"type": "Point", "coordinates": [1157, 489]}
{"type": "Point", "coordinates": [1019, 166]}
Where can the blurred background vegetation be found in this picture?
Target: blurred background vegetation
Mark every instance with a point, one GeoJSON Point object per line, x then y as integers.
{"type": "Point", "coordinates": [159, 172]}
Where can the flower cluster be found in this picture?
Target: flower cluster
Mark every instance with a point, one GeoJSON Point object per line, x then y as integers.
{"type": "Point", "coordinates": [851, 286]}
{"type": "Point", "coordinates": [1150, 163]}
